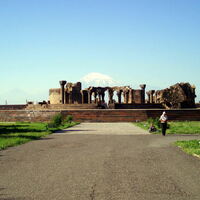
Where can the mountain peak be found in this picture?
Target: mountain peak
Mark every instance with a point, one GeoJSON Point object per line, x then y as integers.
{"type": "Point", "coordinates": [98, 79]}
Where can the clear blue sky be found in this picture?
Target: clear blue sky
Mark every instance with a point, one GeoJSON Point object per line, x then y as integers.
{"type": "Point", "coordinates": [156, 42]}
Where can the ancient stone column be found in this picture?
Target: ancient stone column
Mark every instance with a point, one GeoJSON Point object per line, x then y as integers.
{"type": "Point", "coordinates": [62, 84]}
{"type": "Point", "coordinates": [70, 97]}
{"type": "Point", "coordinates": [143, 86]}
{"type": "Point", "coordinates": [98, 94]}
{"type": "Point", "coordinates": [103, 96]}
{"type": "Point", "coordinates": [66, 98]}
{"type": "Point", "coordinates": [151, 96]}
{"type": "Point", "coordinates": [193, 93]}
{"type": "Point", "coordinates": [89, 96]}
{"type": "Point", "coordinates": [110, 95]}
{"type": "Point", "coordinates": [119, 93]}
{"type": "Point", "coordinates": [130, 96]}
{"type": "Point", "coordinates": [82, 97]}
{"type": "Point", "coordinates": [123, 93]}
{"type": "Point", "coordinates": [155, 99]}
{"type": "Point", "coordinates": [126, 96]}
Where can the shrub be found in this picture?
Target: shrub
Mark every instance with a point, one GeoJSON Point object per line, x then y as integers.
{"type": "Point", "coordinates": [69, 119]}
{"type": "Point", "coordinates": [56, 120]}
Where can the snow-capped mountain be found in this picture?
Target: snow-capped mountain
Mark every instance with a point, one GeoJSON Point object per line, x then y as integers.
{"type": "Point", "coordinates": [98, 79]}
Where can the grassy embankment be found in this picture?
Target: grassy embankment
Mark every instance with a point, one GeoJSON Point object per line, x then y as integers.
{"type": "Point", "coordinates": [184, 127]}
{"type": "Point", "coordinates": [190, 147]}
{"type": "Point", "coordinates": [12, 134]}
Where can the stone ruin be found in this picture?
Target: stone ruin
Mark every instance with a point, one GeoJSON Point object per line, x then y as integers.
{"type": "Point", "coordinates": [72, 96]}
{"type": "Point", "coordinates": [180, 95]}
{"type": "Point", "coordinates": [70, 93]}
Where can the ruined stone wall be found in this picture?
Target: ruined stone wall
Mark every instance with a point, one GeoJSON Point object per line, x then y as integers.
{"type": "Point", "coordinates": [55, 96]}
{"type": "Point", "coordinates": [180, 95]}
{"type": "Point", "coordinates": [137, 96]}
{"type": "Point", "coordinates": [72, 93]}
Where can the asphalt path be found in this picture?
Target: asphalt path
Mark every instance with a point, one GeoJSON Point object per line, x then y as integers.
{"type": "Point", "coordinates": [100, 161]}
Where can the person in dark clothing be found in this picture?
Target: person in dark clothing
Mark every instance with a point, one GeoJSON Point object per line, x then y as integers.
{"type": "Point", "coordinates": [152, 128]}
{"type": "Point", "coordinates": [163, 120]}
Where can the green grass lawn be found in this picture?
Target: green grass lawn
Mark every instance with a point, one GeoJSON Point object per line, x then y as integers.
{"type": "Point", "coordinates": [12, 134]}
{"type": "Point", "coordinates": [184, 127]}
{"type": "Point", "coordinates": [190, 147]}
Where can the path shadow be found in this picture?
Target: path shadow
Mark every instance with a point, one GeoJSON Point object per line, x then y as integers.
{"type": "Point", "coordinates": [78, 130]}
{"type": "Point", "coordinates": [31, 137]}
{"type": "Point", "coordinates": [24, 131]}
{"type": "Point", "coordinates": [16, 130]}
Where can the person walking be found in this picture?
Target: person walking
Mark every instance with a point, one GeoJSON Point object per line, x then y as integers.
{"type": "Point", "coordinates": [163, 120]}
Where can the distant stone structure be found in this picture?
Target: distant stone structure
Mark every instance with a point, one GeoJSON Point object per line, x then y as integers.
{"type": "Point", "coordinates": [72, 96]}
{"type": "Point", "coordinates": [72, 93]}
{"type": "Point", "coordinates": [180, 95]}
{"type": "Point", "coordinates": [125, 104]}
{"type": "Point", "coordinates": [83, 105]}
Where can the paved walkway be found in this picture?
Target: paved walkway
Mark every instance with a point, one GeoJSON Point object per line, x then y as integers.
{"type": "Point", "coordinates": [102, 161]}
{"type": "Point", "coordinates": [105, 129]}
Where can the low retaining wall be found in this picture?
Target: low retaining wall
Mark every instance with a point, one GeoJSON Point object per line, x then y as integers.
{"type": "Point", "coordinates": [96, 115]}
{"type": "Point", "coordinates": [61, 106]}
{"type": "Point", "coordinates": [26, 115]}
{"type": "Point", "coordinates": [13, 107]}
{"type": "Point", "coordinates": [138, 106]}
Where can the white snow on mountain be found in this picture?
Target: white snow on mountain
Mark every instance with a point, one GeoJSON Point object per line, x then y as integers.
{"type": "Point", "coordinates": [98, 79]}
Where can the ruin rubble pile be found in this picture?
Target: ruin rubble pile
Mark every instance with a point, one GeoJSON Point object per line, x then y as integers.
{"type": "Point", "coordinates": [180, 95]}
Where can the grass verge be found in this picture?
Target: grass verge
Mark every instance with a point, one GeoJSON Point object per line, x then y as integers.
{"type": "Point", "coordinates": [191, 147]}
{"type": "Point", "coordinates": [12, 134]}
{"type": "Point", "coordinates": [182, 127]}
